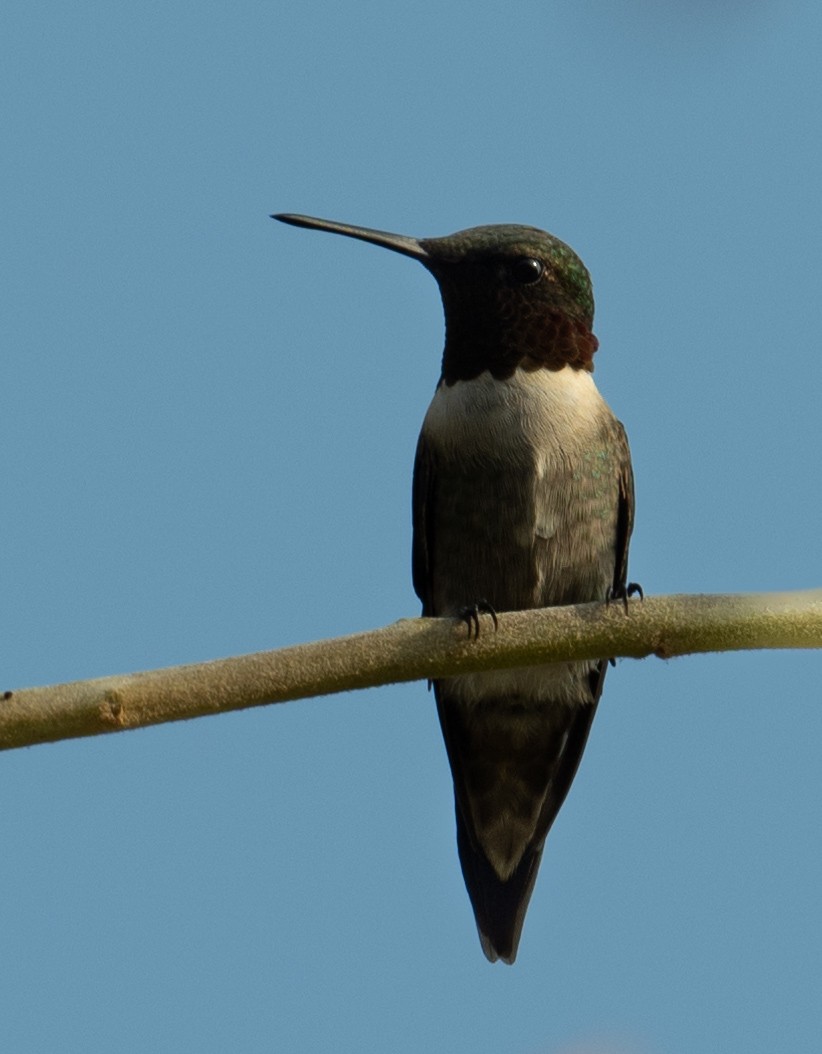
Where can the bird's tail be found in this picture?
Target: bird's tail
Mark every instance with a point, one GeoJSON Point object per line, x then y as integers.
{"type": "Point", "coordinates": [512, 765]}
{"type": "Point", "coordinates": [499, 906]}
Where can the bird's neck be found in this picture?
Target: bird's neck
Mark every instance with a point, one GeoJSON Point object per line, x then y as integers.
{"type": "Point", "coordinates": [551, 340]}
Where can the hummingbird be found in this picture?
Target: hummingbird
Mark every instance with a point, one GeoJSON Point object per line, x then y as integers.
{"type": "Point", "coordinates": [523, 497]}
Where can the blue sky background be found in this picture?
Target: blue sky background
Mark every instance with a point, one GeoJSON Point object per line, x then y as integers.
{"type": "Point", "coordinates": [208, 427]}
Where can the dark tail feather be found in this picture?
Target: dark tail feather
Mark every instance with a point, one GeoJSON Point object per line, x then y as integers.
{"type": "Point", "coordinates": [500, 904]}
{"type": "Point", "coordinates": [499, 907]}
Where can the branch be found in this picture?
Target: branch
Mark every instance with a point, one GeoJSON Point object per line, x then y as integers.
{"type": "Point", "coordinates": [410, 650]}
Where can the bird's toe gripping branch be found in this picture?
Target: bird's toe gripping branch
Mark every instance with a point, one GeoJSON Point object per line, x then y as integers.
{"type": "Point", "coordinates": [623, 592]}
{"type": "Point", "coordinates": [470, 616]}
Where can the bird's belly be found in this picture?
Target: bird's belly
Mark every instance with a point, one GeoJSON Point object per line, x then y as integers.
{"type": "Point", "coordinates": [526, 494]}
{"type": "Point", "coordinates": [523, 516]}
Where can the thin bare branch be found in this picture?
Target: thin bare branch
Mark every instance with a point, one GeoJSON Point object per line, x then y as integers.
{"type": "Point", "coordinates": [408, 650]}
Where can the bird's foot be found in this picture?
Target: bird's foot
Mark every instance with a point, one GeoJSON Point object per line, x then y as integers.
{"type": "Point", "coordinates": [470, 616]}
{"type": "Point", "coordinates": [623, 592]}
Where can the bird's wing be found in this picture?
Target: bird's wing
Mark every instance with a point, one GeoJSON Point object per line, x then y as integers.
{"type": "Point", "coordinates": [421, 504]}
{"type": "Point", "coordinates": [625, 511]}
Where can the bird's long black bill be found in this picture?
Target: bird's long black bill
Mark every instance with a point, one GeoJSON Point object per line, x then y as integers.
{"type": "Point", "coordinates": [399, 243]}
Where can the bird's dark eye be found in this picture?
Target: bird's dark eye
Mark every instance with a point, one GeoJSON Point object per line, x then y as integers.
{"type": "Point", "coordinates": [525, 271]}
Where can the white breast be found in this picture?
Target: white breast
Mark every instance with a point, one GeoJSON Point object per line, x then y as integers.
{"type": "Point", "coordinates": [542, 420]}
{"type": "Point", "coordinates": [555, 410]}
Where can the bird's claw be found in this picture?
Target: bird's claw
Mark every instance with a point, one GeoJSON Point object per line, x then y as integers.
{"type": "Point", "coordinates": [470, 616]}
{"type": "Point", "coordinates": [623, 592]}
